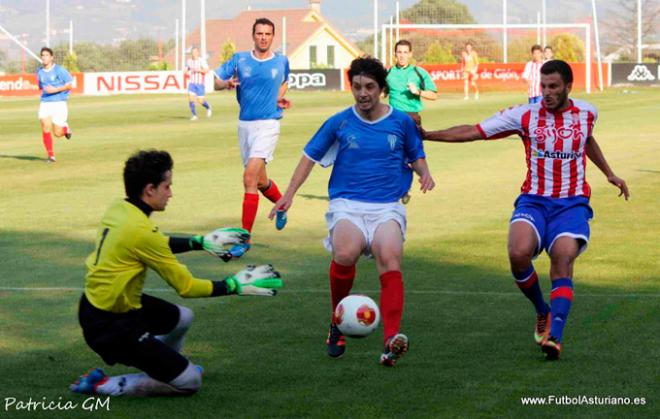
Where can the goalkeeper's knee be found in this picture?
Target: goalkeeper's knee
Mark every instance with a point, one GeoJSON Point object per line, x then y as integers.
{"type": "Point", "coordinates": [189, 381]}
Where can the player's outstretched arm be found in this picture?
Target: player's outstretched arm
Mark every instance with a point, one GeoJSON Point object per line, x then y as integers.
{"type": "Point", "coordinates": [425, 179]}
{"type": "Point", "coordinates": [457, 134]}
{"type": "Point", "coordinates": [596, 156]}
{"type": "Point", "coordinates": [299, 177]}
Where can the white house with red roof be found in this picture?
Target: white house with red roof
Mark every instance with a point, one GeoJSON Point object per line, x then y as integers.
{"type": "Point", "coordinates": [311, 42]}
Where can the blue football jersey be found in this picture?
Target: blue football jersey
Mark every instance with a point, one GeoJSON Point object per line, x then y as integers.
{"type": "Point", "coordinates": [260, 82]}
{"type": "Point", "coordinates": [57, 76]}
{"type": "Point", "coordinates": [372, 158]}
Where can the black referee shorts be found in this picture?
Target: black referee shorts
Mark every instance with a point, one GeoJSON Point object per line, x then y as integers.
{"type": "Point", "coordinates": [128, 338]}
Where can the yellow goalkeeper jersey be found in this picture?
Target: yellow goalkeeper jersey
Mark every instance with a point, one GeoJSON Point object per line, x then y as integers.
{"type": "Point", "coordinates": [128, 243]}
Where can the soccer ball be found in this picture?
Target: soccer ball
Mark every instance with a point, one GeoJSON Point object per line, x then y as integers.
{"type": "Point", "coordinates": [357, 316]}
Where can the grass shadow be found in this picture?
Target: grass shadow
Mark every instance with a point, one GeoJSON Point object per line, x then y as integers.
{"type": "Point", "coordinates": [22, 157]}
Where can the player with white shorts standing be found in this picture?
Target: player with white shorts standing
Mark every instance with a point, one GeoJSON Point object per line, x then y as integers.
{"type": "Point", "coordinates": [197, 69]}
{"type": "Point", "coordinates": [260, 78]}
{"type": "Point", "coordinates": [55, 83]}
{"type": "Point", "coordinates": [371, 145]}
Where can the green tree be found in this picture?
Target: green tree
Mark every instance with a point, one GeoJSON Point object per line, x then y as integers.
{"type": "Point", "coordinates": [227, 49]}
{"type": "Point", "coordinates": [71, 63]}
{"type": "Point", "coordinates": [438, 11]}
{"type": "Point", "coordinates": [568, 47]}
{"type": "Point", "coordinates": [439, 53]}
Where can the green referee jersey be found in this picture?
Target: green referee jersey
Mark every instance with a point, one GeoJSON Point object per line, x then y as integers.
{"type": "Point", "coordinates": [128, 243]}
{"type": "Point", "coordinates": [401, 97]}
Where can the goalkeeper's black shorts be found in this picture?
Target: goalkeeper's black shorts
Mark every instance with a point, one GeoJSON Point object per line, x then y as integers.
{"type": "Point", "coordinates": [128, 338]}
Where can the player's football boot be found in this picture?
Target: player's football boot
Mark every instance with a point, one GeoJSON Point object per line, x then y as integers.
{"type": "Point", "coordinates": [238, 250]}
{"type": "Point", "coordinates": [88, 383]}
{"type": "Point", "coordinates": [551, 348]}
{"type": "Point", "coordinates": [51, 159]}
{"type": "Point", "coordinates": [209, 113]}
{"type": "Point", "coordinates": [542, 327]}
{"type": "Point", "coordinates": [280, 219]}
{"type": "Point", "coordinates": [194, 118]}
{"type": "Point", "coordinates": [336, 342]}
{"type": "Point", "coordinates": [395, 348]}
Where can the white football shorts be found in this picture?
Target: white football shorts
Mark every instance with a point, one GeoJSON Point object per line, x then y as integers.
{"type": "Point", "coordinates": [366, 216]}
{"type": "Point", "coordinates": [57, 111]}
{"type": "Point", "coordinates": [257, 139]}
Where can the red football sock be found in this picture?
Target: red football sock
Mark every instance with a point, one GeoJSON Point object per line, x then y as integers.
{"type": "Point", "coordinates": [391, 302]}
{"type": "Point", "coordinates": [341, 282]}
{"type": "Point", "coordinates": [272, 192]}
{"type": "Point", "coordinates": [48, 143]}
{"type": "Point", "coordinates": [250, 206]}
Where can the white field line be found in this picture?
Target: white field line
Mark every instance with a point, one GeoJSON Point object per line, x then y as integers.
{"type": "Point", "coordinates": [325, 291]}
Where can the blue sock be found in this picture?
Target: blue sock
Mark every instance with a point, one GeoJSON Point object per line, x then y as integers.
{"type": "Point", "coordinates": [192, 108]}
{"type": "Point", "coordinates": [206, 105]}
{"type": "Point", "coordinates": [528, 282]}
{"type": "Point", "coordinates": [561, 298]}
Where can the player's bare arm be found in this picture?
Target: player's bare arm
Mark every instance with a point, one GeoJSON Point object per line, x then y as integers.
{"type": "Point", "coordinates": [299, 177]}
{"type": "Point", "coordinates": [226, 84]}
{"type": "Point", "coordinates": [457, 134]}
{"type": "Point", "coordinates": [53, 89]}
{"type": "Point", "coordinates": [425, 179]}
{"type": "Point", "coordinates": [596, 156]}
{"type": "Point", "coordinates": [283, 102]}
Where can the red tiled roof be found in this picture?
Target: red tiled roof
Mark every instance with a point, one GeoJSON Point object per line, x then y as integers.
{"type": "Point", "coordinates": [300, 25]}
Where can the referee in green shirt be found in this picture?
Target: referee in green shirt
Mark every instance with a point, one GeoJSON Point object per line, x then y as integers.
{"type": "Point", "coordinates": [408, 84]}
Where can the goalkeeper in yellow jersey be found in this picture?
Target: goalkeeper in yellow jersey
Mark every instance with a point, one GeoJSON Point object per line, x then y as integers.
{"type": "Point", "coordinates": [124, 325]}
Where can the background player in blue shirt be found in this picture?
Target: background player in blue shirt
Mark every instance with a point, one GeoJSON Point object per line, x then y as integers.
{"type": "Point", "coordinates": [260, 78]}
{"type": "Point", "coordinates": [55, 83]}
{"type": "Point", "coordinates": [371, 145]}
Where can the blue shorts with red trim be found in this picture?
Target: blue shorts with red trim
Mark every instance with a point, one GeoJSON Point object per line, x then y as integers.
{"type": "Point", "coordinates": [197, 89]}
{"type": "Point", "coordinates": [552, 218]}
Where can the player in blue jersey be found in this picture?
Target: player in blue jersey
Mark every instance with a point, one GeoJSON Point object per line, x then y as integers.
{"type": "Point", "coordinates": [55, 83]}
{"type": "Point", "coordinates": [260, 78]}
{"type": "Point", "coordinates": [370, 145]}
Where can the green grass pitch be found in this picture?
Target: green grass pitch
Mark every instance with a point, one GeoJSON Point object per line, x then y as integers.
{"type": "Point", "coordinates": [472, 352]}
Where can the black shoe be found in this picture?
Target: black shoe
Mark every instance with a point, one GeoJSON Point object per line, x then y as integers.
{"type": "Point", "coordinates": [336, 342]}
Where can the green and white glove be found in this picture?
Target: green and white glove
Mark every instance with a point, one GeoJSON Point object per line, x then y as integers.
{"type": "Point", "coordinates": [215, 241]}
{"type": "Point", "coordinates": [262, 280]}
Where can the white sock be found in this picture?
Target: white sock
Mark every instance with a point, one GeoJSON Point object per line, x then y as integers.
{"type": "Point", "coordinates": [176, 337]}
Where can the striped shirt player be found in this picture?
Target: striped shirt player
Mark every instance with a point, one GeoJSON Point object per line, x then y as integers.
{"type": "Point", "coordinates": [55, 83]}
{"type": "Point", "coordinates": [554, 145]}
{"type": "Point", "coordinates": [532, 74]}
{"type": "Point", "coordinates": [552, 211]}
{"type": "Point", "coordinates": [196, 67]}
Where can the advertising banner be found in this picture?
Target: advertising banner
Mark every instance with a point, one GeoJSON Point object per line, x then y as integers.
{"type": "Point", "coordinates": [27, 84]}
{"type": "Point", "coordinates": [636, 74]}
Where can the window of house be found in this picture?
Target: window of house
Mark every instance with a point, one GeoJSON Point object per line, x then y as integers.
{"type": "Point", "coordinates": [331, 56]}
{"type": "Point", "coordinates": [312, 56]}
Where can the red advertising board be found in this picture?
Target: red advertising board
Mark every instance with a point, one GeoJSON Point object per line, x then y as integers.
{"type": "Point", "coordinates": [497, 76]}
{"type": "Point", "coordinates": [27, 85]}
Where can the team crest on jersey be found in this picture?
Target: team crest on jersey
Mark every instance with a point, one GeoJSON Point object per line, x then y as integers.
{"type": "Point", "coordinates": [352, 141]}
{"type": "Point", "coordinates": [246, 71]}
{"type": "Point", "coordinates": [392, 139]}
{"type": "Point", "coordinates": [273, 73]}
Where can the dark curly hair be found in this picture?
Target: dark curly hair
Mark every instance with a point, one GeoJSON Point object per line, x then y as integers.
{"type": "Point", "coordinates": [143, 168]}
{"type": "Point", "coordinates": [370, 67]}
{"type": "Point", "coordinates": [558, 66]}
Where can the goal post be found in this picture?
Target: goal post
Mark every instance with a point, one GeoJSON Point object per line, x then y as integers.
{"type": "Point", "coordinates": [493, 35]}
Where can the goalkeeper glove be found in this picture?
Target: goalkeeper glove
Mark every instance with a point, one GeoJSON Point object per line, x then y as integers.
{"type": "Point", "coordinates": [262, 280]}
{"type": "Point", "coordinates": [215, 241]}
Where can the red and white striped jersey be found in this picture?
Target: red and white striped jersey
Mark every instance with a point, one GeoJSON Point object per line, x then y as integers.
{"type": "Point", "coordinates": [194, 68]}
{"type": "Point", "coordinates": [532, 74]}
{"type": "Point", "coordinates": [554, 145]}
